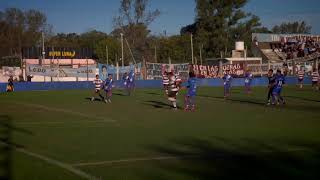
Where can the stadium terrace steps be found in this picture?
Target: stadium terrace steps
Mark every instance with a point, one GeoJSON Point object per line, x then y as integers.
{"type": "Point", "coordinates": [282, 55]}
{"type": "Point", "coordinates": [271, 55]}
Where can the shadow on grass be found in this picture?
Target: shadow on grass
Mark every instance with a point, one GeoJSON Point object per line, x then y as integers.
{"type": "Point", "coordinates": [95, 99]}
{"type": "Point", "coordinates": [119, 94]}
{"type": "Point", "coordinates": [301, 98]}
{"type": "Point", "coordinates": [158, 104]}
{"type": "Point", "coordinates": [232, 99]}
{"type": "Point", "coordinates": [243, 159]}
{"type": "Point", "coordinates": [153, 93]}
{"type": "Point", "coordinates": [7, 145]}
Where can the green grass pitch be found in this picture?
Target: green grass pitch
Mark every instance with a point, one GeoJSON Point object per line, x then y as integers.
{"type": "Point", "coordinates": [62, 135]}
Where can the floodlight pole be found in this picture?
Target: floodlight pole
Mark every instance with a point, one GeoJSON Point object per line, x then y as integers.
{"type": "Point", "coordinates": [191, 42]}
{"type": "Point", "coordinates": [107, 54]}
{"type": "Point", "coordinates": [122, 62]}
{"type": "Point", "coordinates": [201, 46]}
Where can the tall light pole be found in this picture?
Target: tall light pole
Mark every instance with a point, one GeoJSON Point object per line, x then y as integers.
{"type": "Point", "coordinates": [43, 51]}
{"type": "Point", "coordinates": [155, 54]}
{"type": "Point", "coordinates": [191, 42]}
{"type": "Point", "coordinates": [201, 47]}
{"type": "Point", "coordinates": [122, 49]}
{"type": "Point", "coordinates": [107, 54]}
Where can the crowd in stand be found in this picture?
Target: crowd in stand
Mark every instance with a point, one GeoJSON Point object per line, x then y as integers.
{"type": "Point", "coordinates": [297, 46]}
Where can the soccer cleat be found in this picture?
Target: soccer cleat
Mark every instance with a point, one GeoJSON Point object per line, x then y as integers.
{"type": "Point", "coordinates": [175, 108]}
{"type": "Point", "coordinates": [106, 101]}
{"type": "Point", "coordinates": [92, 99]}
{"type": "Point", "coordinates": [109, 100]}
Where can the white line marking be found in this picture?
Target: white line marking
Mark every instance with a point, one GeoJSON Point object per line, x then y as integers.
{"type": "Point", "coordinates": [55, 162]}
{"type": "Point", "coordinates": [132, 160]}
{"type": "Point", "coordinates": [62, 122]}
{"type": "Point", "coordinates": [63, 111]}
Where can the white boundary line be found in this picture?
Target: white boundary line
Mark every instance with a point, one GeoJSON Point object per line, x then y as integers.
{"type": "Point", "coordinates": [56, 163]}
{"type": "Point", "coordinates": [62, 122]}
{"type": "Point", "coordinates": [134, 160]}
{"type": "Point", "coordinates": [63, 111]}
{"type": "Point", "coordinates": [159, 158]}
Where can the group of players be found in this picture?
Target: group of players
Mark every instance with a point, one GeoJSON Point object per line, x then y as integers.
{"type": "Point", "coordinates": [108, 84]}
{"type": "Point", "coordinates": [172, 84]}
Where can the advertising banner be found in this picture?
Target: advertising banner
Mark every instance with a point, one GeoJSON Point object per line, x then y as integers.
{"type": "Point", "coordinates": [155, 70]}
{"type": "Point", "coordinates": [38, 70]}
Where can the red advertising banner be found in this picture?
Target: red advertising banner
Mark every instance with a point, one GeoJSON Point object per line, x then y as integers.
{"type": "Point", "coordinates": [207, 71]}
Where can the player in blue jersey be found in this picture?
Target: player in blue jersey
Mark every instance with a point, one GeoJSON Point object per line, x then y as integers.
{"type": "Point", "coordinates": [125, 78]}
{"type": "Point", "coordinates": [227, 78]}
{"type": "Point", "coordinates": [130, 82]}
{"type": "Point", "coordinates": [272, 80]}
{"type": "Point", "coordinates": [191, 93]}
{"type": "Point", "coordinates": [248, 77]}
{"type": "Point", "coordinates": [108, 84]}
{"type": "Point", "coordinates": [276, 92]}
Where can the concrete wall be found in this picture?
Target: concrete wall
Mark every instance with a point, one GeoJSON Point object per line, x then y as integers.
{"type": "Point", "coordinates": [33, 86]}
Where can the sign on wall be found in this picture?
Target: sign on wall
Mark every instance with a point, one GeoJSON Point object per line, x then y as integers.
{"type": "Point", "coordinates": [39, 70]}
{"type": "Point", "coordinates": [155, 70]}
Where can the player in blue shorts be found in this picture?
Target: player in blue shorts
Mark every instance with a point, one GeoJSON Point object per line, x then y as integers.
{"type": "Point", "coordinates": [130, 82]}
{"type": "Point", "coordinates": [108, 84]}
{"type": "Point", "coordinates": [227, 78]}
{"type": "Point", "coordinates": [276, 92]}
{"type": "Point", "coordinates": [125, 78]}
{"type": "Point", "coordinates": [248, 77]}
{"type": "Point", "coordinates": [191, 93]}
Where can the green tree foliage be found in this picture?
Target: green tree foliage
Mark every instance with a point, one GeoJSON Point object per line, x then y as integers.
{"type": "Point", "coordinates": [95, 40]}
{"type": "Point", "coordinates": [292, 28]}
{"type": "Point", "coordinates": [21, 29]}
{"type": "Point", "coordinates": [133, 21]}
{"type": "Point", "coordinates": [113, 46]}
{"type": "Point", "coordinates": [176, 47]}
{"type": "Point", "coordinates": [220, 23]}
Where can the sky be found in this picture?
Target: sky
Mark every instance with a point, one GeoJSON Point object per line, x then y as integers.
{"type": "Point", "coordinates": [82, 15]}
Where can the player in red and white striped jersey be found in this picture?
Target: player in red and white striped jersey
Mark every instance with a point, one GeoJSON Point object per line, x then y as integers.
{"type": "Point", "coordinates": [300, 75]}
{"type": "Point", "coordinates": [165, 82]}
{"type": "Point", "coordinates": [315, 79]}
{"type": "Point", "coordinates": [173, 89]}
{"type": "Point", "coordinates": [97, 88]}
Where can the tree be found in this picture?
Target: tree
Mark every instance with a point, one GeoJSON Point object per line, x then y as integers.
{"type": "Point", "coordinates": [20, 29]}
{"type": "Point", "coordinates": [113, 46]}
{"type": "Point", "coordinates": [133, 21]}
{"type": "Point", "coordinates": [292, 28]}
{"type": "Point", "coordinates": [218, 24]}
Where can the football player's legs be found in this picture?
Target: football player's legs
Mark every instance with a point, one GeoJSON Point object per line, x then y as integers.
{"type": "Point", "coordinates": [192, 101]}
{"type": "Point", "coordinates": [280, 98]}
{"type": "Point", "coordinates": [108, 95]}
{"type": "Point", "coordinates": [270, 89]}
{"type": "Point", "coordinates": [99, 93]}
{"type": "Point", "coordinates": [226, 90]}
{"type": "Point", "coordinates": [248, 87]}
{"type": "Point", "coordinates": [172, 98]}
{"type": "Point", "coordinates": [186, 101]}
{"type": "Point", "coordinates": [94, 94]}
{"type": "Point", "coordinates": [274, 97]}
{"type": "Point", "coordinates": [300, 83]}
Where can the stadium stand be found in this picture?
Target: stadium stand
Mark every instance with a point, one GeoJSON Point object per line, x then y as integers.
{"type": "Point", "coordinates": [281, 47]}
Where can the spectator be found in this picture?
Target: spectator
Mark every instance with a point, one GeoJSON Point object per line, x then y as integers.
{"type": "Point", "coordinates": [29, 78]}
{"type": "Point", "coordinates": [10, 87]}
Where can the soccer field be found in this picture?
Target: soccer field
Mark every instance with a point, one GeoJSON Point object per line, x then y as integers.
{"type": "Point", "coordinates": [63, 135]}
